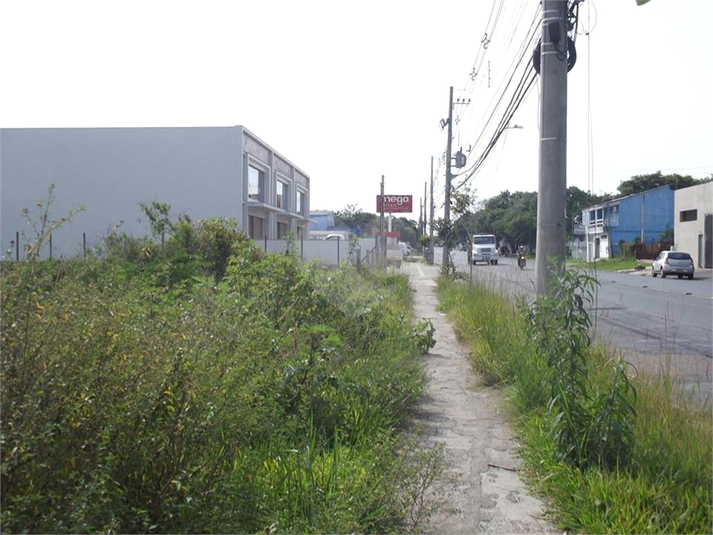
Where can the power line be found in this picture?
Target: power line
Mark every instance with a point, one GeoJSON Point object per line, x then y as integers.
{"type": "Point", "coordinates": [517, 58]}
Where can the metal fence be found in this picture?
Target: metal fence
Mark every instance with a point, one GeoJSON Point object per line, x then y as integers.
{"type": "Point", "coordinates": [327, 252]}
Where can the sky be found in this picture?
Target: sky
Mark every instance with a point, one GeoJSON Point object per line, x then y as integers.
{"type": "Point", "coordinates": [351, 91]}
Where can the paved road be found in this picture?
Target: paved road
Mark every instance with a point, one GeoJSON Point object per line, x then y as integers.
{"type": "Point", "coordinates": [655, 322]}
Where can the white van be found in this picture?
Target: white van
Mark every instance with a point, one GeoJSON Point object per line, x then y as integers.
{"type": "Point", "coordinates": [485, 249]}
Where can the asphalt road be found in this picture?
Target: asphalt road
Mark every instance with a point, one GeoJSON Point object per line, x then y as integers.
{"type": "Point", "coordinates": [655, 322]}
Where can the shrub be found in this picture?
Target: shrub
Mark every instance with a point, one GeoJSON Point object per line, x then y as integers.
{"type": "Point", "coordinates": [589, 426]}
{"type": "Point", "coordinates": [129, 406]}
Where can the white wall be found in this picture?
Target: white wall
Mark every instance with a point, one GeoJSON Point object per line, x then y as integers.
{"type": "Point", "coordinates": [328, 252]}
{"type": "Point", "coordinates": [686, 233]}
{"type": "Point", "coordinates": [110, 171]}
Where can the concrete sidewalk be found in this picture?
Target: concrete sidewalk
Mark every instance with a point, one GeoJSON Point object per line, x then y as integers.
{"type": "Point", "coordinates": [480, 490]}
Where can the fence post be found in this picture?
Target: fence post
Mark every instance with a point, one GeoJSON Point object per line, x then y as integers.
{"type": "Point", "coordinates": [265, 247]}
{"type": "Point", "coordinates": [84, 244]}
{"type": "Point", "coordinates": [17, 246]}
{"type": "Point", "coordinates": [50, 247]}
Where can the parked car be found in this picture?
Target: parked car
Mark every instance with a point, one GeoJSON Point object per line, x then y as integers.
{"type": "Point", "coordinates": [673, 263]}
{"type": "Point", "coordinates": [335, 237]}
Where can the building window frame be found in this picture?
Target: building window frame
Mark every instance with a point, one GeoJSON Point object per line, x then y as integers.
{"type": "Point", "coordinates": [687, 216]}
{"type": "Point", "coordinates": [256, 227]}
{"type": "Point", "coordinates": [257, 181]}
{"type": "Point", "coordinates": [282, 195]}
{"type": "Point", "coordinates": [282, 230]}
{"type": "Point", "coordinates": [300, 202]}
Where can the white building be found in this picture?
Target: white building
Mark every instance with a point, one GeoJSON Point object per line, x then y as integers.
{"type": "Point", "coordinates": [693, 223]}
{"type": "Point", "coordinates": [200, 171]}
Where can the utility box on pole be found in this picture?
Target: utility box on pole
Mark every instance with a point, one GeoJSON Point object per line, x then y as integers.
{"type": "Point", "coordinates": [552, 187]}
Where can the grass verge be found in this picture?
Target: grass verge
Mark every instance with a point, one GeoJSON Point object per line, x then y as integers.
{"type": "Point", "coordinates": [664, 485]}
{"type": "Point", "coordinates": [609, 264]}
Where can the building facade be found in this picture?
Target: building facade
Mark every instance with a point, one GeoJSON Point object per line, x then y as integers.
{"type": "Point", "coordinates": [200, 171]}
{"type": "Point", "coordinates": [693, 223]}
{"type": "Point", "coordinates": [645, 215]}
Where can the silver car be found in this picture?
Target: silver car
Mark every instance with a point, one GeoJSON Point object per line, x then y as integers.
{"type": "Point", "coordinates": [673, 263]}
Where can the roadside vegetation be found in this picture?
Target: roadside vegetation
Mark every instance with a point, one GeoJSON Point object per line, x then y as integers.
{"type": "Point", "coordinates": [196, 385]}
{"type": "Point", "coordinates": [612, 449]}
{"type": "Point", "coordinates": [610, 264]}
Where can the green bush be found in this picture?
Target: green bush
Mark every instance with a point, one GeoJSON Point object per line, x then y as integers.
{"type": "Point", "coordinates": [141, 396]}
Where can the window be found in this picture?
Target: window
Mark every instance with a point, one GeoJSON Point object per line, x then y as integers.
{"type": "Point", "coordinates": [688, 215]}
{"type": "Point", "coordinates": [255, 227]}
{"type": "Point", "coordinates": [282, 190]}
{"type": "Point", "coordinates": [281, 230]}
{"type": "Point", "coordinates": [256, 184]}
{"type": "Point", "coordinates": [300, 202]}
{"type": "Point", "coordinates": [483, 240]}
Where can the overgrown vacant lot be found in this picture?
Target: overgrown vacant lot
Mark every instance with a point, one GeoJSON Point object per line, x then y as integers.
{"type": "Point", "coordinates": [205, 387]}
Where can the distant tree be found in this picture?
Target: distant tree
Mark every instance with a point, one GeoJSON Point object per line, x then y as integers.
{"type": "Point", "coordinates": [460, 226]}
{"type": "Point", "coordinates": [510, 216]}
{"type": "Point", "coordinates": [408, 229]}
{"type": "Point", "coordinates": [639, 183]}
{"type": "Point", "coordinates": [519, 223]}
{"type": "Point", "coordinates": [463, 203]}
{"type": "Point", "coordinates": [352, 216]}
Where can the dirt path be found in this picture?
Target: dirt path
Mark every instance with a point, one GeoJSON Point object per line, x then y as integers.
{"type": "Point", "coordinates": [480, 491]}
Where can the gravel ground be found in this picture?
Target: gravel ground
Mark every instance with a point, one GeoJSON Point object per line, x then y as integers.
{"type": "Point", "coordinates": [480, 490]}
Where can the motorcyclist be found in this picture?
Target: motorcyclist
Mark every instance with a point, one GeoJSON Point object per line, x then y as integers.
{"type": "Point", "coordinates": [521, 256]}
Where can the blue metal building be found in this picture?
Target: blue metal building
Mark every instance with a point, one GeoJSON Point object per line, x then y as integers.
{"type": "Point", "coordinates": [645, 215]}
{"type": "Point", "coordinates": [321, 219]}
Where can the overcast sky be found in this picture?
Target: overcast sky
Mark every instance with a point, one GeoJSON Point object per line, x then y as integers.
{"type": "Point", "coordinates": [349, 91]}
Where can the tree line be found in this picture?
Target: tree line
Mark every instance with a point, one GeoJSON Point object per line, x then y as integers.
{"type": "Point", "coordinates": [511, 216]}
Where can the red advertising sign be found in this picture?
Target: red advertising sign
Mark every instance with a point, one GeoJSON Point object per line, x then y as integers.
{"type": "Point", "coordinates": [395, 203]}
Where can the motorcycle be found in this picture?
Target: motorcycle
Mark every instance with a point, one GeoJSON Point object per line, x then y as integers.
{"type": "Point", "coordinates": [521, 261]}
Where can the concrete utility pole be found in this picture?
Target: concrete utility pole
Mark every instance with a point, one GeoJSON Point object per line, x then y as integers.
{"type": "Point", "coordinates": [430, 238]}
{"type": "Point", "coordinates": [447, 208]}
{"type": "Point", "coordinates": [425, 214]}
{"type": "Point", "coordinates": [552, 190]}
{"type": "Point", "coordinates": [382, 238]}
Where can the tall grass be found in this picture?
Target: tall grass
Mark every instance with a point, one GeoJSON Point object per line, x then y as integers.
{"type": "Point", "coordinates": [493, 329]}
{"type": "Point", "coordinates": [663, 483]}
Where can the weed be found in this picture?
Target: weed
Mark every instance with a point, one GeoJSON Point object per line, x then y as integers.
{"type": "Point", "coordinates": [614, 454]}
{"type": "Point", "coordinates": [203, 386]}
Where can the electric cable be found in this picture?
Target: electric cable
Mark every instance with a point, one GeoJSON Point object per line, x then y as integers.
{"type": "Point", "coordinates": [517, 98]}
{"type": "Point", "coordinates": [518, 62]}
{"type": "Point", "coordinates": [527, 43]}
